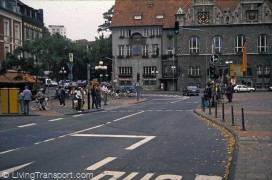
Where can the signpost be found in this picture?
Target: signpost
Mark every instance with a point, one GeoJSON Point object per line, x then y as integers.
{"type": "Point", "coordinates": [214, 58]}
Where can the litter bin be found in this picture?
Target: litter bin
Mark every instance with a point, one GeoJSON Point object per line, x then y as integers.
{"type": "Point", "coordinates": [9, 100]}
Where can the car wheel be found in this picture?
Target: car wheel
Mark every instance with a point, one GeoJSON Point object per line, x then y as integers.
{"type": "Point", "coordinates": [251, 90]}
{"type": "Point", "coordinates": [236, 91]}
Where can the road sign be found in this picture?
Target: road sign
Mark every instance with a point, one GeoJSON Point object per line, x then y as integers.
{"type": "Point", "coordinates": [214, 58]}
{"type": "Point", "coordinates": [71, 56]}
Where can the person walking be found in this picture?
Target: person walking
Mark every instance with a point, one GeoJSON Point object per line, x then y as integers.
{"type": "Point", "coordinates": [62, 97]}
{"type": "Point", "coordinates": [21, 98]}
{"type": "Point", "coordinates": [93, 94]}
{"type": "Point", "coordinates": [27, 98]}
{"type": "Point", "coordinates": [79, 97]}
{"type": "Point", "coordinates": [98, 96]}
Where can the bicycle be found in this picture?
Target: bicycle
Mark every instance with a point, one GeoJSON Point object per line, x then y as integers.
{"type": "Point", "coordinates": [36, 105]}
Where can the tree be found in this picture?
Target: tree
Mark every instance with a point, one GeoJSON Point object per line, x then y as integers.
{"type": "Point", "coordinates": [108, 18]}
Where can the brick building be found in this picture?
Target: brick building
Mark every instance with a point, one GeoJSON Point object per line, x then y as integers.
{"type": "Point", "coordinates": [145, 45]}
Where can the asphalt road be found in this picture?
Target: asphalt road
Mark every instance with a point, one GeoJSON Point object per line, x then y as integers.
{"type": "Point", "coordinates": [159, 139]}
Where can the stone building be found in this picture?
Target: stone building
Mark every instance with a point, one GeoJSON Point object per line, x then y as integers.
{"type": "Point", "coordinates": [148, 53]}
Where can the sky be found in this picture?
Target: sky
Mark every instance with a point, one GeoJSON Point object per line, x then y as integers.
{"type": "Point", "coordinates": [80, 17]}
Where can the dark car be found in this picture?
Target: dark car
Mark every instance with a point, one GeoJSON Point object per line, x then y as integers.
{"type": "Point", "coordinates": [128, 88]}
{"type": "Point", "coordinates": [190, 90]}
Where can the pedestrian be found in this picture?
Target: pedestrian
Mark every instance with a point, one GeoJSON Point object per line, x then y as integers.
{"type": "Point", "coordinates": [93, 94]}
{"type": "Point", "coordinates": [98, 96]}
{"type": "Point", "coordinates": [27, 98]}
{"type": "Point", "coordinates": [41, 97]}
{"type": "Point", "coordinates": [105, 94]}
{"type": "Point", "coordinates": [21, 98]}
{"type": "Point", "coordinates": [79, 97]}
{"type": "Point", "coordinates": [62, 97]}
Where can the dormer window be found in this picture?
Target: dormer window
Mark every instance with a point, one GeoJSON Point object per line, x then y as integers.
{"type": "Point", "coordinates": [159, 16]}
{"type": "Point", "coordinates": [137, 17]}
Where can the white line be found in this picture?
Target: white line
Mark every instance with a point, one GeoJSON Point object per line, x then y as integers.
{"type": "Point", "coordinates": [158, 110]}
{"type": "Point", "coordinates": [179, 110]}
{"type": "Point", "coordinates": [168, 110]}
{"type": "Point", "coordinates": [52, 120]}
{"type": "Point", "coordinates": [49, 140]}
{"type": "Point", "coordinates": [177, 101]}
{"type": "Point", "coordinates": [32, 124]}
{"type": "Point", "coordinates": [62, 136]}
{"type": "Point", "coordinates": [10, 170]}
{"type": "Point", "coordinates": [200, 177]}
{"type": "Point", "coordinates": [131, 176]}
{"type": "Point", "coordinates": [114, 175]}
{"type": "Point", "coordinates": [150, 110]}
{"type": "Point", "coordinates": [100, 163]}
{"type": "Point", "coordinates": [38, 143]}
{"type": "Point", "coordinates": [86, 129]}
{"type": "Point", "coordinates": [128, 116]}
{"type": "Point", "coordinates": [134, 146]}
{"type": "Point", "coordinates": [108, 122]}
{"type": "Point", "coordinates": [147, 176]}
{"type": "Point", "coordinates": [77, 115]}
{"type": "Point", "coordinates": [4, 152]}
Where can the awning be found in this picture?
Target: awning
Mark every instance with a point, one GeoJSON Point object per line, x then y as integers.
{"type": "Point", "coordinates": [15, 77]}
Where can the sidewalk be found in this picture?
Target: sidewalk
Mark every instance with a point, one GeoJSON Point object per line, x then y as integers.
{"type": "Point", "coordinates": [252, 156]}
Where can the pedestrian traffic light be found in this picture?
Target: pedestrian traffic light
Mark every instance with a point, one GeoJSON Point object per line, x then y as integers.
{"type": "Point", "coordinates": [212, 71]}
{"type": "Point", "coordinates": [176, 27]}
{"type": "Point", "coordinates": [138, 76]}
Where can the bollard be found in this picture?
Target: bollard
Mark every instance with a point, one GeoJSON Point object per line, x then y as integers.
{"type": "Point", "coordinates": [223, 112]}
{"type": "Point", "coordinates": [243, 120]}
{"type": "Point", "coordinates": [232, 116]}
{"type": "Point", "coordinates": [210, 107]}
{"type": "Point", "coordinates": [215, 110]}
{"type": "Point", "coordinates": [203, 103]}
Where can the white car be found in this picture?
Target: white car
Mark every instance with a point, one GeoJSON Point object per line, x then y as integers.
{"type": "Point", "coordinates": [270, 88]}
{"type": "Point", "coordinates": [243, 88]}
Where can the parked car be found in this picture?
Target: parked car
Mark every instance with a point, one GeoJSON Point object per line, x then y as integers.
{"type": "Point", "coordinates": [243, 88]}
{"type": "Point", "coordinates": [54, 83]}
{"type": "Point", "coordinates": [49, 82]}
{"type": "Point", "coordinates": [191, 90]}
{"type": "Point", "coordinates": [128, 88]}
{"type": "Point", "coordinates": [270, 88]}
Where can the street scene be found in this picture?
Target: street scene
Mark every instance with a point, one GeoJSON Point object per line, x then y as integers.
{"type": "Point", "coordinates": [135, 89]}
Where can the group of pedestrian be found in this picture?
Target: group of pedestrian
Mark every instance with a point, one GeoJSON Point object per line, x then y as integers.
{"type": "Point", "coordinates": [25, 98]}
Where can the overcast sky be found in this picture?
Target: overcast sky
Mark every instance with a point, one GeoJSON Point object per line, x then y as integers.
{"type": "Point", "coordinates": [80, 17]}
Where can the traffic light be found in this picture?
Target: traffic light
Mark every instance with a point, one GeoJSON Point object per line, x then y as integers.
{"type": "Point", "coordinates": [138, 76]}
{"type": "Point", "coordinates": [220, 72]}
{"type": "Point", "coordinates": [176, 27]}
{"type": "Point", "coordinates": [212, 71]}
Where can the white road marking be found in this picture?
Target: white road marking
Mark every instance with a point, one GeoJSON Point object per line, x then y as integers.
{"type": "Point", "coordinates": [131, 176]}
{"type": "Point", "coordinates": [115, 175]}
{"type": "Point", "coordinates": [169, 176]}
{"type": "Point", "coordinates": [204, 177]}
{"type": "Point", "coordinates": [147, 176]}
{"type": "Point", "coordinates": [62, 136]}
{"type": "Point", "coordinates": [150, 110]}
{"type": "Point", "coordinates": [128, 116]}
{"type": "Point", "coordinates": [77, 115]}
{"type": "Point", "coordinates": [168, 110]}
{"type": "Point", "coordinates": [5, 173]}
{"type": "Point", "coordinates": [4, 152]}
{"type": "Point", "coordinates": [27, 125]}
{"type": "Point", "coordinates": [100, 163]}
{"type": "Point", "coordinates": [86, 129]}
{"type": "Point", "coordinates": [37, 143]}
{"type": "Point", "coordinates": [177, 101]}
{"type": "Point", "coordinates": [189, 110]}
{"type": "Point", "coordinates": [158, 110]}
{"type": "Point", "coordinates": [132, 147]}
{"type": "Point", "coordinates": [108, 123]}
{"type": "Point", "coordinates": [52, 120]}
{"type": "Point", "coordinates": [49, 140]}
{"type": "Point", "coordinates": [179, 110]}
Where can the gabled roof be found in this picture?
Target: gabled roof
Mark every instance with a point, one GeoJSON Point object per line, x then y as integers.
{"type": "Point", "coordinates": [12, 77]}
{"type": "Point", "coordinates": [125, 10]}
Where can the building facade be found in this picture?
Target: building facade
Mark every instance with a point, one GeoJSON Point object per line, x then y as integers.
{"type": "Point", "coordinates": [60, 29]}
{"type": "Point", "coordinates": [148, 53]}
{"type": "Point", "coordinates": [18, 23]}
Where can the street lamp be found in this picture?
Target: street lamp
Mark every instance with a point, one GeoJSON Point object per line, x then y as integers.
{"type": "Point", "coordinates": [100, 67]}
{"type": "Point", "coordinates": [62, 72]}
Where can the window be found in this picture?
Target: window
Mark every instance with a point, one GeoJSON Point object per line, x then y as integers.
{"type": "Point", "coordinates": [194, 44]}
{"type": "Point", "coordinates": [6, 31]}
{"type": "Point", "coordinates": [159, 16]}
{"type": "Point", "coordinates": [137, 17]}
{"type": "Point", "coordinates": [197, 71]}
{"type": "Point", "coordinates": [158, 32]}
{"type": "Point", "coordinates": [155, 48]}
{"type": "Point", "coordinates": [239, 43]}
{"type": "Point", "coordinates": [125, 70]}
{"type": "Point", "coordinates": [266, 70]}
{"type": "Point", "coordinates": [128, 33]}
{"type": "Point", "coordinates": [6, 50]}
{"type": "Point", "coordinates": [129, 50]}
{"type": "Point", "coordinates": [149, 69]}
{"type": "Point", "coordinates": [190, 70]}
{"type": "Point", "coordinates": [17, 33]}
{"type": "Point", "coordinates": [259, 70]}
{"type": "Point", "coordinates": [145, 50]}
{"type": "Point", "coordinates": [145, 32]}
{"type": "Point", "coordinates": [122, 33]}
{"type": "Point", "coordinates": [121, 50]}
{"type": "Point", "coordinates": [262, 43]}
{"type": "Point", "coordinates": [217, 42]}
{"type": "Point", "coordinates": [152, 32]}
{"type": "Point", "coordinates": [252, 15]}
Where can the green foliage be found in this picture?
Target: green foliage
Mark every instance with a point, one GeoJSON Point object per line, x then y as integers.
{"type": "Point", "coordinates": [108, 18]}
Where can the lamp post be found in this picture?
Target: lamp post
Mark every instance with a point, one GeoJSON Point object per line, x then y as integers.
{"type": "Point", "coordinates": [62, 72]}
{"type": "Point", "coordinates": [70, 66]}
{"type": "Point", "coordinates": [100, 67]}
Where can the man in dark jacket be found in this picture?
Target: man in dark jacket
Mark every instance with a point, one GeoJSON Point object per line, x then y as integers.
{"type": "Point", "coordinates": [93, 93]}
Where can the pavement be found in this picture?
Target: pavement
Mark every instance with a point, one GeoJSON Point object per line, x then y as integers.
{"type": "Point", "coordinates": [252, 151]}
{"type": "Point", "coordinates": [252, 155]}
